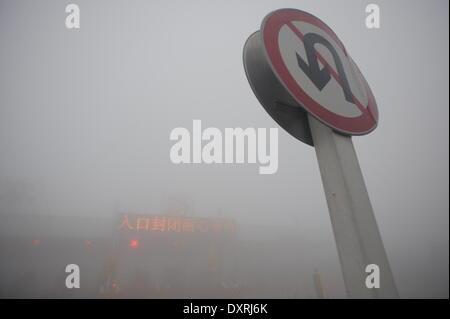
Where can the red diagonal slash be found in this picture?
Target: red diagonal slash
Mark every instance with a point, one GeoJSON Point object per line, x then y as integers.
{"type": "Point", "coordinates": [325, 63]}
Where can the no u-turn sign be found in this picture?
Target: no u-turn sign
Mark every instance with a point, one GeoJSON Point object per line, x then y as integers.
{"type": "Point", "coordinates": [303, 76]}
{"type": "Point", "coordinates": [312, 64]}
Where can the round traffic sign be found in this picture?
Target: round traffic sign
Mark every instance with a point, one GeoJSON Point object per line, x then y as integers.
{"type": "Point", "coordinates": [313, 66]}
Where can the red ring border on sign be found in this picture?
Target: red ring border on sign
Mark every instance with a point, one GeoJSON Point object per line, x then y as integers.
{"type": "Point", "coordinates": [270, 28]}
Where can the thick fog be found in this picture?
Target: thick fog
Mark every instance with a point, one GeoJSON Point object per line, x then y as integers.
{"type": "Point", "coordinates": [86, 115]}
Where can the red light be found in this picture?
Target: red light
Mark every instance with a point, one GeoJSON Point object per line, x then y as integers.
{"type": "Point", "coordinates": [36, 242]}
{"type": "Point", "coordinates": [134, 243]}
{"type": "Point", "coordinates": [88, 242]}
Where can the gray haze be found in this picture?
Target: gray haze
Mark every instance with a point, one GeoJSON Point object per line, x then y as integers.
{"type": "Point", "coordinates": [85, 118]}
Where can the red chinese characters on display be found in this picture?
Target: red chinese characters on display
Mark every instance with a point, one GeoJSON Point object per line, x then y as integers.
{"type": "Point", "coordinates": [175, 224]}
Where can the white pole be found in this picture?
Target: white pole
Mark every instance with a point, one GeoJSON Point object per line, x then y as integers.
{"type": "Point", "coordinates": [355, 229]}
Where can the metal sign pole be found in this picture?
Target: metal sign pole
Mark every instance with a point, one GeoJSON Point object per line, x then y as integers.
{"type": "Point", "coordinates": [355, 229]}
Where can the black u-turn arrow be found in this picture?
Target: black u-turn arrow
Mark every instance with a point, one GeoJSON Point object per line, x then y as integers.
{"type": "Point", "coordinates": [320, 77]}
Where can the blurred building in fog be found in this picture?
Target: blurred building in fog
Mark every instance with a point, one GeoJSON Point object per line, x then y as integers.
{"type": "Point", "coordinates": [171, 255]}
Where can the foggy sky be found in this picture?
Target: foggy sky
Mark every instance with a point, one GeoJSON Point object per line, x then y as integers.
{"type": "Point", "coordinates": [85, 118]}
